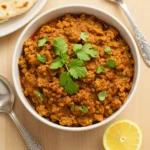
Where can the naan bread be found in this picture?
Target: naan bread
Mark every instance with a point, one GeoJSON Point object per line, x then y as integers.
{"type": "Point", "coordinates": [11, 8]}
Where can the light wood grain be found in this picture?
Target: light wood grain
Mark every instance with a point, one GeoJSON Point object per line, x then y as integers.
{"type": "Point", "coordinates": [51, 139]}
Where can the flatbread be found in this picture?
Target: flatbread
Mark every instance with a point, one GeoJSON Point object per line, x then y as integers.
{"type": "Point", "coordinates": [3, 20]}
{"type": "Point", "coordinates": [12, 8]}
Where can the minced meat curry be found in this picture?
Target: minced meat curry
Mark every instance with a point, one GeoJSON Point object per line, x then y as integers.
{"type": "Point", "coordinates": [76, 70]}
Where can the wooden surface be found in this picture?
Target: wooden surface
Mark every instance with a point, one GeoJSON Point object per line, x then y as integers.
{"type": "Point", "coordinates": [52, 139]}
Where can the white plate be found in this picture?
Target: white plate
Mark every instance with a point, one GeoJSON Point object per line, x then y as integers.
{"type": "Point", "coordinates": [19, 21]}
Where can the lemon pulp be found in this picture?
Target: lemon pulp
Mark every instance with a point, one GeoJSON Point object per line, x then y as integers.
{"type": "Point", "coordinates": [122, 135]}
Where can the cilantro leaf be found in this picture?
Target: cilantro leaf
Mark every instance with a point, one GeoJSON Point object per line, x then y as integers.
{"type": "Point", "coordinates": [41, 58]}
{"type": "Point", "coordinates": [68, 84]}
{"type": "Point", "coordinates": [72, 107]}
{"type": "Point", "coordinates": [102, 95]}
{"type": "Point", "coordinates": [110, 63]}
{"type": "Point", "coordinates": [64, 78]}
{"type": "Point", "coordinates": [43, 41]}
{"type": "Point", "coordinates": [57, 63]}
{"type": "Point", "coordinates": [92, 52]}
{"type": "Point", "coordinates": [64, 58]}
{"type": "Point", "coordinates": [107, 50]}
{"type": "Point", "coordinates": [60, 46]}
{"type": "Point", "coordinates": [76, 62]}
{"type": "Point", "coordinates": [87, 48]}
{"type": "Point", "coordinates": [77, 47]}
{"type": "Point", "coordinates": [86, 52]}
{"type": "Point", "coordinates": [76, 70]}
{"type": "Point", "coordinates": [100, 69]}
{"type": "Point", "coordinates": [71, 87]}
{"type": "Point", "coordinates": [83, 36]}
{"type": "Point", "coordinates": [83, 56]}
{"type": "Point", "coordinates": [83, 109]}
{"type": "Point", "coordinates": [40, 95]}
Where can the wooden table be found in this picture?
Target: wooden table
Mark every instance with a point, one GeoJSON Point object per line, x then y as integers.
{"type": "Point", "coordinates": [52, 139]}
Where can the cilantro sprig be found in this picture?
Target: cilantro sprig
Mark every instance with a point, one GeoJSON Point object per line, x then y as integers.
{"type": "Point", "coordinates": [107, 50]}
{"type": "Point", "coordinates": [68, 84]}
{"type": "Point", "coordinates": [60, 47]}
{"type": "Point", "coordinates": [41, 58]}
{"type": "Point", "coordinates": [83, 36]}
{"type": "Point", "coordinates": [59, 61]}
{"type": "Point", "coordinates": [102, 95]}
{"type": "Point", "coordinates": [111, 63]}
{"type": "Point", "coordinates": [41, 42]}
{"type": "Point", "coordinates": [83, 109]}
{"type": "Point", "coordinates": [76, 71]}
{"type": "Point", "coordinates": [100, 69]}
{"type": "Point", "coordinates": [75, 68]}
{"type": "Point", "coordinates": [40, 95]}
{"type": "Point", "coordinates": [85, 52]}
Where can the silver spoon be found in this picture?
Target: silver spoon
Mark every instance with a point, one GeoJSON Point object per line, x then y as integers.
{"type": "Point", "coordinates": [143, 43]}
{"type": "Point", "coordinates": [6, 104]}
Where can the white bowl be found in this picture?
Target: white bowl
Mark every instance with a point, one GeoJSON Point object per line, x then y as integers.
{"type": "Point", "coordinates": [76, 9]}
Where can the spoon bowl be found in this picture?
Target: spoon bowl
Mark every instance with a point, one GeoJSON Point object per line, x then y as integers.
{"type": "Point", "coordinates": [6, 95]}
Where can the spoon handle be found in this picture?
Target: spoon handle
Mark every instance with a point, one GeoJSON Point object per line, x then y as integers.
{"type": "Point", "coordinates": [30, 141]}
{"type": "Point", "coordinates": [142, 42]}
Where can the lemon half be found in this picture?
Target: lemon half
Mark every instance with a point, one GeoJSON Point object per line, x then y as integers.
{"type": "Point", "coordinates": [122, 135]}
